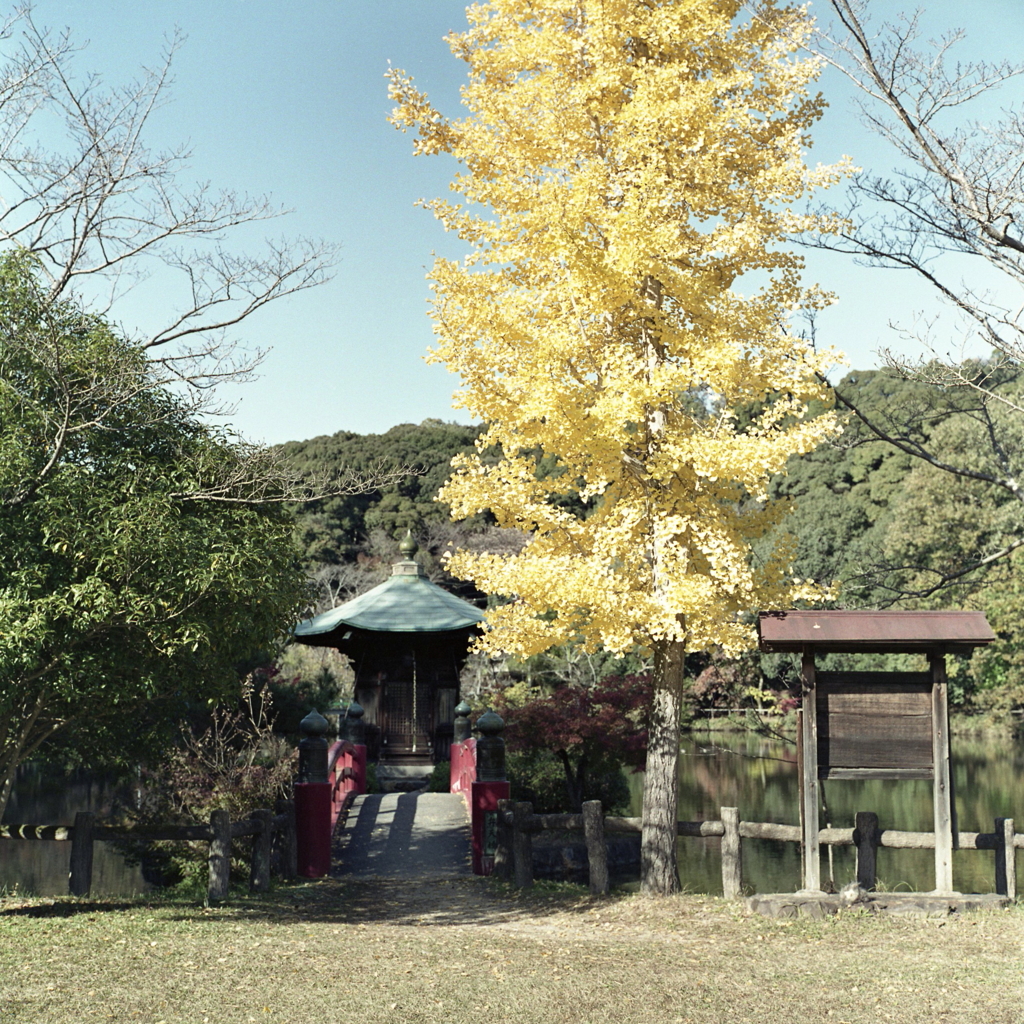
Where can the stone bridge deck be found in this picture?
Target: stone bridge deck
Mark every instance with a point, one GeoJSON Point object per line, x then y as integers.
{"type": "Point", "coordinates": [404, 835]}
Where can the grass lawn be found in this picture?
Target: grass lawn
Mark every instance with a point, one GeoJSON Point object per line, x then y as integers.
{"type": "Point", "coordinates": [468, 951]}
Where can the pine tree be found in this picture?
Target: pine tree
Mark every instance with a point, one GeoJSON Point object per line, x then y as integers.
{"type": "Point", "coordinates": [629, 169]}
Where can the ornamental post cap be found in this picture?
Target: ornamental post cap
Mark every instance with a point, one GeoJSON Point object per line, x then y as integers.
{"type": "Point", "coordinates": [314, 724]}
{"type": "Point", "coordinates": [462, 709]}
{"type": "Point", "coordinates": [490, 724]}
{"type": "Point", "coordinates": [355, 710]}
{"type": "Point", "coordinates": [407, 564]}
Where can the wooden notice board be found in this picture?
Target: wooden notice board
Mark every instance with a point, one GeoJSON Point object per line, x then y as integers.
{"type": "Point", "coordinates": [882, 725]}
{"type": "Point", "coordinates": [874, 725]}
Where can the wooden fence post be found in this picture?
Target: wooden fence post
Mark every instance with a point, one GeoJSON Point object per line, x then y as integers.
{"type": "Point", "coordinates": [220, 855]}
{"type": "Point", "coordinates": [597, 852]}
{"type": "Point", "coordinates": [503, 855]}
{"type": "Point", "coordinates": [522, 844]}
{"type": "Point", "coordinates": [865, 838]}
{"type": "Point", "coordinates": [288, 848]}
{"type": "Point", "coordinates": [1006, 863]}
{"type": "Point", "coordinates": [259, 872]}
{"type": "Point", "coordinates": [732, 859]}
{"type": "Point", "coordinates": [80, 876]}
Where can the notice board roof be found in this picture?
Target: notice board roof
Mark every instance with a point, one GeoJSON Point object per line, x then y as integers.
{"type": "Point", "coordinates": [851, 632]}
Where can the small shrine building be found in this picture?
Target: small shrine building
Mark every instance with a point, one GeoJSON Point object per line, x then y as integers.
{"type": "Point", "coordinates": [407, 639]}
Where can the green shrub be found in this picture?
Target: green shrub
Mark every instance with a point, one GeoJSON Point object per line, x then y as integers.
{"type": "Point", "coordinates": [538, 776]}
{"type": "Point", "coordinates": [236, 764]}
{"type": "Point", "coordinates": [440, 780]}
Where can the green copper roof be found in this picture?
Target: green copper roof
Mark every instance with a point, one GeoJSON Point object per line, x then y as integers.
{"type": "Point", "coordinates": [407, 602]}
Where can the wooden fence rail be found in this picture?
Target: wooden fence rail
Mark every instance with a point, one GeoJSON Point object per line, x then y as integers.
{"type": "Point", "coordinates": [263, 825]}
{"type": "Point", "coordinates": [513, 858]}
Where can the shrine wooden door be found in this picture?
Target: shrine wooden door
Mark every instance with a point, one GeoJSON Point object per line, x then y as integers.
{"type": "Point", "coordinates": [407, 719]}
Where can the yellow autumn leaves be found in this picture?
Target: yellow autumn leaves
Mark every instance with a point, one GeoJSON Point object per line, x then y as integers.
{"type": "Point", "coordinates": [628, 173]}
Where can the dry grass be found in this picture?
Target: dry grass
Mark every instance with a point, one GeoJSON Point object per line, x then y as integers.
{"type": "Point", "coordinates": [469, 951]}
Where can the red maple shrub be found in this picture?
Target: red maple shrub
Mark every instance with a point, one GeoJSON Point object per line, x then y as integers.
{"type": "Point", "coordinates": [591, 730]}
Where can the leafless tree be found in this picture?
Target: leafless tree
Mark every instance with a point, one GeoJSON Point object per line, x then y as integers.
{"type": "Point", "coordinates": [100, 211]}
{"type": "Point", "coordinates": [949, 215]}
{"type": "Point", "coordinates": [96, 203]}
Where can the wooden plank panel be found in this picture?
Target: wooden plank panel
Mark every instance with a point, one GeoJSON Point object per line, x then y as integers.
{"type": "Point", "coordinates": [848, 702]}
{"type": "Point", "coordinates": [876, 773]}
{"type": "Point", "coordinates": [882, 741]}
{"type": "Point", "coordinates": [874, 720]}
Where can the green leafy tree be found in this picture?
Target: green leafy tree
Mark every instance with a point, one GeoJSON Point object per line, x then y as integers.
{"type": "Point", "coordinates": [950, 215]}
{"type": "Point", "coordinates": [136, 570]}
{"type": "Point", "coordinates": [843, 495]}
{"type": "Point", "coordinates": [947, 542]}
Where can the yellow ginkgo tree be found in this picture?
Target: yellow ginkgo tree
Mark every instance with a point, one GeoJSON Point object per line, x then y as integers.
{"type": "Point", "coordinates": [629, 169]}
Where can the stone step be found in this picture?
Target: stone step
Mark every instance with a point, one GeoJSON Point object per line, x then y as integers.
{"type": "Point", "coordinates": [817, 905]}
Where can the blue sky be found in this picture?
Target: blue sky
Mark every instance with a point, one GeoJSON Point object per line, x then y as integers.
{"type": "Point", "coordinates": [290, 99]}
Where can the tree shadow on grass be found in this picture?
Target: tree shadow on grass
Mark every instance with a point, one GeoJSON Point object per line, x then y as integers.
{"type": "Point", "coordinates": [64, 906]}
{"type": "Point", "coordinates": [436, 902]}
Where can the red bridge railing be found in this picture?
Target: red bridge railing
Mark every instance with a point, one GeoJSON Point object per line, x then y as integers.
{"type": "Point", "coordinates": [346, 774]}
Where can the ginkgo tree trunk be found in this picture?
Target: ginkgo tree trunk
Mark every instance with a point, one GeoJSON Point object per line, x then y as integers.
{"type": "Point", "coordinates": [629, 170]}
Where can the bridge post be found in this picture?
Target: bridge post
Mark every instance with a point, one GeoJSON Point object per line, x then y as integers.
{"type": "Point", "coordinates": [313, 800]}
{"type": "Point", "coordinates": [356, 735]}
{"type": "Point", "coordinates": [462, 726]}
{"type": "Point", "coordinates": [490, 787]}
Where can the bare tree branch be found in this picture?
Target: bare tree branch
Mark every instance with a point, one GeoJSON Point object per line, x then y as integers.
{"type": "Point", "coordinates": [958, 192]}
{"type": "Point", "coordinates": [103, 206]}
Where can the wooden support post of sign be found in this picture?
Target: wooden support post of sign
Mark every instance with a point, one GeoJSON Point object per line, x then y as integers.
{"type": "Point", "coordinates": [732, 864]}
{"type": "Point", "coordinates": [800, 766]}
{"type": "Point", "coordinates": [942, 793]}
{"type": "Point", "coordinates": [1006, 864]}
{"type": "Point", "coordinates": [809, 775]}
{"type": "Point", "coordinates": [80, 876]}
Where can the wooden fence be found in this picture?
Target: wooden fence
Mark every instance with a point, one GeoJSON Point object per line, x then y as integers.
{"type": "Point", "coordinates": [263, 825]}
{"type": "Point", "coordinates": [513, 857]}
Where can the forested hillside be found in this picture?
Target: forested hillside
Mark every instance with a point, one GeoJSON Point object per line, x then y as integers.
{"type": "Point", "coordinates": [882, 527]}
{"type": "Point", "coordinates": [890, 530]}
{"type": "Point", "coordinates": [347, 544]}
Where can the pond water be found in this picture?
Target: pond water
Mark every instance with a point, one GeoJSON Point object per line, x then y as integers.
{"type": "Point", "coordinates": [758, 775]}
{"type": "Point", "coordinates": [40, 866]}
{"type": "Point", "coordinates": [717, 769]}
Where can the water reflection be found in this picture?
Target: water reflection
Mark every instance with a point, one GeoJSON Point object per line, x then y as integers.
{"type": "Point", "coordinates": [758, 775]}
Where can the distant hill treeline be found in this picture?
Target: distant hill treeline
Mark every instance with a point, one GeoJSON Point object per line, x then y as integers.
{"type": "Point", "coordinates": [866, 518]}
